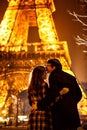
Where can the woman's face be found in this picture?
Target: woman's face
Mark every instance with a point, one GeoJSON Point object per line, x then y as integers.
{"type": "Point", "coordinates": [44, 75]}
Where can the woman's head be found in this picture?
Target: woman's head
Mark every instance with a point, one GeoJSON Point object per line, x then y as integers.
{"type": "Point", "coordinates": [38, 73]}
{"type": "Point", "coordinates": [37, 78]}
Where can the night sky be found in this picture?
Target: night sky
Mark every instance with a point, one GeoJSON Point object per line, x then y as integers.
{"type": "Point", "coordinates": [66, 30]}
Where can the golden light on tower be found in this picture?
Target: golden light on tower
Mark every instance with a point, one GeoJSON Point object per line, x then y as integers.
{"type": "Point", "coordinates": [27, 38]}
{"type": "Point", "coordinates": [44, 22]}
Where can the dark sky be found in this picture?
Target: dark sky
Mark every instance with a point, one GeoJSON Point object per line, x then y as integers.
{"type": "Point", "coordinates": [66, 30]}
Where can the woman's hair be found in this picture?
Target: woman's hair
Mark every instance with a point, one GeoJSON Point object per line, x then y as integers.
{"type": "Point", "coordinates": [56, 63]}
{"type": "Point", "coordinates": [36, 79]}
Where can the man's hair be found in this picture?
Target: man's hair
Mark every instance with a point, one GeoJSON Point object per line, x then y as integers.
{"type": "Point", "coordinates": [56, 63]}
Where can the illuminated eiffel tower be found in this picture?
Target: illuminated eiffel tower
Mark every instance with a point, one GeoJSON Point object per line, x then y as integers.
{"type": "Point", "coordinates": [27, 38]}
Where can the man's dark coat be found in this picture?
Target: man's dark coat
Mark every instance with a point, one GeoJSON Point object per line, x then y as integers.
{"type": "Point", "coordinates": [64, 112]}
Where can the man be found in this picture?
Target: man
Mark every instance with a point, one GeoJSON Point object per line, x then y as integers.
{"type": "Point", "coordinates": [64, 112]}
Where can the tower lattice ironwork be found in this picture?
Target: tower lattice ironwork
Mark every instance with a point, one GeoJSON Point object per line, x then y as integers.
{"type": "Point", "coordinates": [27, 38]}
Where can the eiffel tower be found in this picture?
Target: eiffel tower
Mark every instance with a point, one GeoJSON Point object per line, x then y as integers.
{"type": "Point", "coordinates": [28, 38]}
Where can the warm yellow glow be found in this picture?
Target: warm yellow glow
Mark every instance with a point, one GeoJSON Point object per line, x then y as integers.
{"type": "Point", "coordinates": [14, 30]}
{"type": "Point", "coordinates": [1, 119]}
{"type": "Point", "coordinates": [3, 111]}
{"type": "Point", "coordinates": [82, 105]}
{"type": "Point", "coordinates": [23, 118]}
{"type": "Point", "coordinates": [46, 26]}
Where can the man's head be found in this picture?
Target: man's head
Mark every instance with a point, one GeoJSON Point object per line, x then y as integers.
{"type": "Point", "coordinates": [53, 64]}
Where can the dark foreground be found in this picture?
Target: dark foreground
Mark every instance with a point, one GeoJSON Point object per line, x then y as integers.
{"type": "Point", "coordinates": [25, 128]}
{"type": "Point", "coordinates": [14, 128]}
{"type": "Point", "coordinates": [83, 121]}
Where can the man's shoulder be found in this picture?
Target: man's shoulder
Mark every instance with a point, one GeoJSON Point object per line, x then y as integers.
{"type": "Point", "coordinates": [62, 74]}
{"type": "Point", "coordinates": [65, 73]}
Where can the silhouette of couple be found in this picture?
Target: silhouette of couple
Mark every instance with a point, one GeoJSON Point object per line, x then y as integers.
{"type": "Point", "coordinates": [53, 103]}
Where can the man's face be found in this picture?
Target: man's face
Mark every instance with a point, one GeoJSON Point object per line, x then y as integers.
{"type": "Point", "coordinates": [49, 68]}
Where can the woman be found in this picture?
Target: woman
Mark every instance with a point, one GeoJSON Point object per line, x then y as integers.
{"type": "Point", "coordinates": [38, 119]}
